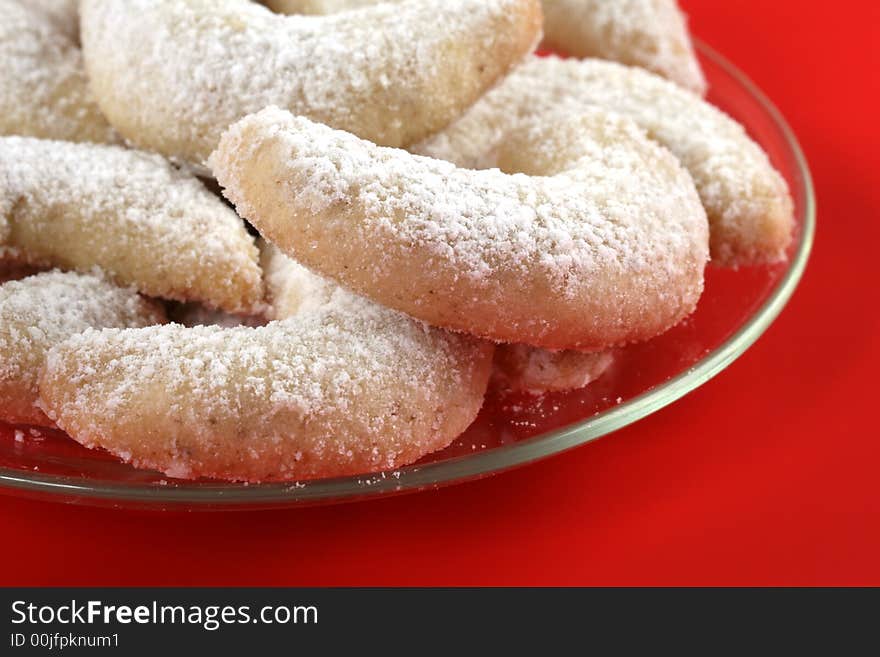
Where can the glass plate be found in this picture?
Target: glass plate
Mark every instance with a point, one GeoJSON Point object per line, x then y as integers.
{"type": "Point", "coordinates": [736, 308]}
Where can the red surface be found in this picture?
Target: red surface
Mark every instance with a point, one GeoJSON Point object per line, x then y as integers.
{"type": "Point", "coordinates": [766, 475]}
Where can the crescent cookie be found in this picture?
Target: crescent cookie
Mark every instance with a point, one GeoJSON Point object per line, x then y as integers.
{"type": "Point", "coordinates": [41, 311]}
{"type": "Point", "coordinates": [601, 241]}
{"type": "Point", "coordinates": [346, 387]}
{"type": "Point", "coordinates": [520, 368]}
{"type": "Point", "coordinates": [749, 207]}
{"type": "Point", "coordinates": [144, 222]}
{"type": "Point", "coordinates": [171, 75]}
{"type": "Point", "coordinates": [652, 34]}
{"type": "Point", "coordinates": [43, 86]}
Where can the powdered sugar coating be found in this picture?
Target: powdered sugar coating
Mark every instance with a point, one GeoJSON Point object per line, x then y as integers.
{"type": "Point", "coordinates": [171, 75]}
{"type": "Point", "coordinates": [347, 388]}
{"type": "Point", "coordinates": [747, 200]}
{"type": "Point", "coordinates": [41, 311]}
{"type": "Point", "coordinates": [652, 34]}
{"type": "Point", "coordinates": [604, 242]}
{"type": "Point", "coordinates": [131, 213]}
{"type": "Point", "coordinates": [43, 87]}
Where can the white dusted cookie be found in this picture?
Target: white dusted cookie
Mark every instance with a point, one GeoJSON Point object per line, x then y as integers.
{"type": "Point", "coordinates": [171, 75]}
{"type": "Point", "coordinates": [748, 203]}
{"type": "Point", "coordinates": [40, 311]}
{"type": "Point", "coordinates": [598, 239]}
{"type": "Point", "coordinates": [134, 215]}
{"type": "Point", "coordinates": [343, 386]}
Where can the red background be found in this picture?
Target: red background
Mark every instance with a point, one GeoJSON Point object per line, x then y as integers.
{"type": "Point", "coordinates": [766, 475]}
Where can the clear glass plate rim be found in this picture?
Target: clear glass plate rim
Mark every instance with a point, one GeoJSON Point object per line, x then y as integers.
{"type": "Point", "coordinates": [498, 459]}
